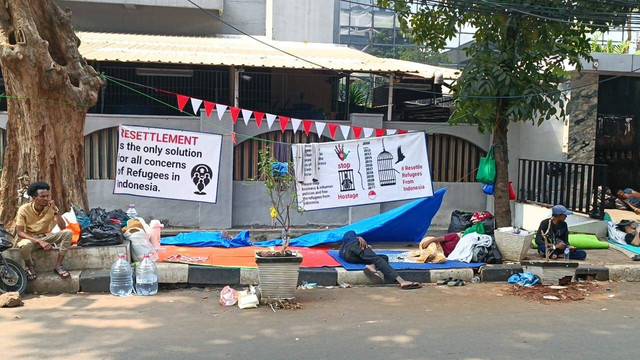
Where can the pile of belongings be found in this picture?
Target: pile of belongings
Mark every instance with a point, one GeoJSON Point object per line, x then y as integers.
{"type": "Point", "coordinates": [481, 248]}
{"type": "Point", "coordinates": [101, 228]}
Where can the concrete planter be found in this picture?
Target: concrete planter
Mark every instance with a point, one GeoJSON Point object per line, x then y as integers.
{"type": "Point", "coordinates": [278, 276]}
{"type": "Point", "coordinates": [513, 247]}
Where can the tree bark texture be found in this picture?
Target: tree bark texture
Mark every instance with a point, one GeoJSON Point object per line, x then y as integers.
{"type": "Point", "coordinates": [49, 89]}
{"type": "Point", "coordinates": [501, 204]}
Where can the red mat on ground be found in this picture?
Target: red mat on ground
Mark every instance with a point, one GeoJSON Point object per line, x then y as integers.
{"type": "Point", "coordinates": [238, 257]}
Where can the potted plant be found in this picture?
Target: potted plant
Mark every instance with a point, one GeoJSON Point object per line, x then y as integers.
{"type": "Point", "coordinates": [278, 270]}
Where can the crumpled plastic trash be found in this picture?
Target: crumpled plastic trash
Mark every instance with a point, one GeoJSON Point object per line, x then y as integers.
{"type": "Point", "coordinates": [526, 279]}
{"type": "Point", "coordinates": [228, 296]}
{"type": "Point", "coordinates": [247, 299]}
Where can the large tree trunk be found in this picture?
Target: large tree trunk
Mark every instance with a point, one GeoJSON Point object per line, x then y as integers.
{"type": "Point", "coordinates": [502, 207]}
{"type": "Point", "coordinates": [49, 89]}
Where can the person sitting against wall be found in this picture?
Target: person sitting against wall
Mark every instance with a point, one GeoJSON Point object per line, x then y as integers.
{"type": "Point", "coordinates": [354, 249]}
{"type": "Point", "coordinates": [556, 231]}
{"type": "Point", "coordinates": [632, 236]}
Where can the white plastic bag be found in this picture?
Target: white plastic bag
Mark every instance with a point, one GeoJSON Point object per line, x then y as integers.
{"type": "Point", "coordinates": [228, 296]}
{"type": "Point", "coordinates": [247, 299]}
{"type": "Point", "coordinates": [140, 244]}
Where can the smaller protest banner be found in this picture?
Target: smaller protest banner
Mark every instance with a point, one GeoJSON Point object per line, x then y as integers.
{"type": "Point", "coordinates": [167, 163]}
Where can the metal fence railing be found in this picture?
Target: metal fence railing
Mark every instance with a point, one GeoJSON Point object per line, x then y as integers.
{"type": "Point", "coordinates": [579, 187]}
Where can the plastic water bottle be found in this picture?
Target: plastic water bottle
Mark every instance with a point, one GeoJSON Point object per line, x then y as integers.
{"type": "Point", "coordinates": [131, 211]}
{"type": "Point", "coordinates": [146, 277]}
{"type": "Point", "coordinates": [566, 253]}
{"type": "Point", "coordinates": [121, 275]}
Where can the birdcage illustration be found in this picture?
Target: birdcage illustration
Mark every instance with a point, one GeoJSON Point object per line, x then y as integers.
{"type": "Point", "coordinates": [386, 172]}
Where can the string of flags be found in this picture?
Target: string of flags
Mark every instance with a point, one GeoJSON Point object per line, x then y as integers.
{"type": "Point", "coordinates": [307, 125]}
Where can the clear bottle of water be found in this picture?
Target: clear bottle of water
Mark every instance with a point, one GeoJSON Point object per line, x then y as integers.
{"type": "Point", "coordinates": [566, 253]}
{"type": "Point", "coordinates": [146, 277]}
{"type": "Point", "coordinates": [121, 275]}
{"type": "Point", "coordinates": [131, 211]}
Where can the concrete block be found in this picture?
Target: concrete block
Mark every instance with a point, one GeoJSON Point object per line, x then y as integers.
{"type": "Point", "coordinates": [172, 273]}
{"type": "Point", "coordinates": [207, 275]}
{"type": "Point", "coordinates": [599, 273]}
{"type": "Point", "coordinates": [440, 274]}
{"type": "Point", "coordinates": [95, 280]}
{"type": "Point", "coordinates": [354, 277]}
{"type": "Point", "coordinates": [78, 258]}
{"type": "Point", "coordinates": [54, 284]}
{"type": "Point", "coordinates": [624, 272]}
{"type": "Point", "coordinates": [499, 273]}
{"type": "Point", "coordinates": [320, 276]}
{"type": "Point", "coordinates": [249, 276]}
{"type": "Point", "coordinates": [422, 276]}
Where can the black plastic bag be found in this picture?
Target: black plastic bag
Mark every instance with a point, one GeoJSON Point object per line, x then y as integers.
{"type": "Point", "coordinates": [460, 221]}
{"type": "Point", "coordinates": [98, 216]}
{"type": "Point", "coordinates": [487, 254]}
{"type": "Point", "coordinates": [119, 215]}
{"type": "Point", "coordinates": [489, 225]}
{"type": "Point", "coordinates": [101, 234]}
{"type": "Point", "coordinates": [81, 216]}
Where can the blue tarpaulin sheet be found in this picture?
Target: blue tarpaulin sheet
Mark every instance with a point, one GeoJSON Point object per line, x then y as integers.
{"type": "Point", "coordinates": [205, 239]}
{"type": "Point", "coordinates": [404, 265]}
{"type": "Point", "coordinates": [406, 223]}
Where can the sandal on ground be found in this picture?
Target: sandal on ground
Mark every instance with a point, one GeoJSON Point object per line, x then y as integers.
{"type": "Point", "coordinates": [61, 271]}
{"type": "Point", "coordinates": [456, 282]}
{"type": "Point", "coordinates": [411, 286]}
{"type": "Point", "coordinates": [636, 258]}
{"type": "Point", "coordinates": [31, 273]}
{"type": "Point", "coordinates": [445, 281]}
{"type": "Point", "coordinates": [376, 276]}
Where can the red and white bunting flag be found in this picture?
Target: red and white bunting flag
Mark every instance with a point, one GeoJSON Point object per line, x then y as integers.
{"type": "Point", "coordinates": [345, 131]}
{"type": "Point", "coordinates": [270, 119]}
{"type": "Point", "coordinates": [391, 131]}
{"type": "Point", "coordinates": [284, 120]}
{"type": "Point", "coordinates": [246, 115]}
{"type": "Point", "coordinates": [332, 130]}
{"type": "Point", "coordinates": [259, 116]}
{"type": "Point", "coordinates": [234, 113]}
{"type": "Point", "coordinates": [367, 132]}
{"type": "Point", "coordinates": [357, 131]}
{"type": "Point", "coordinates": [182, 101]}
{"type": "Point", "coordinates": [234, 138]}
{"type": "Point", "coordinates": [195, 104]}
{"type": "Point", "coordinates": [379, 132]}
{"type": "Point", "coordinates": [320, 127]}
{"type": "Point", "coordinates": [295, 123]}
{"type": "Point", "coordinates": [402, 131]}
{"type": "Point", "coordinates": [306, 124]}
{"type": "Point", "coordinates": [208, 107]}
{"type": "Point", "coordinates": [221, 109]}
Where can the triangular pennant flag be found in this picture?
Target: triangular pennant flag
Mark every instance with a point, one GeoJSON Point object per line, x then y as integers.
{"type": "Point", "coordinates": [234, 138]}
{"type": "Point", "coordinates": [379, 132]}
{"type": "Point", "coordinates": [284, 120]}
{"type": "Point", "coordinates": [182, 101]}
{"type": "Point", "coordinates": [357, 131]}
{"type": "Point", "coordinates": [306, 124]}
{"type": "Point", "coordinates": [391, 131]}
{"type": "Point", "coordinates": [270, 119]}
{"type": "Point", "coordinates": [332, 130]}
{"type": "Point", "coordinates": [295, 123]}
{"type": "Point", "coordinates": [402, 131]}
{"type": "Point", "coordinates": [208, 107]}
{"type": "Point", "coordinates": [221, 109]}
{"type": "Point", "coordinates": [195, 104]}
{"type": "Point", "coordinates": [259, 116]}
{"type": "Point", "coordinates": [367, 132]}
{"type": "Point", "coordinates": [234, 113]}
{"type": "Point", "coordinates": [345, 131]}
{"type": "Point", "coordinates": [320, 127]}
{"type": "Point", "coordinates": [246, 115]}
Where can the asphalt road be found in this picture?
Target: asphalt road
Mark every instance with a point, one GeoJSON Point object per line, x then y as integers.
{"type": "Point", "coordinates": [472, 322]}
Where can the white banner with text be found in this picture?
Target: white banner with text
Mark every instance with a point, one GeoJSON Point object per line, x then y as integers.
{"type": "Point", "coordinates": [168, 163]}
{"type": "Point", "coordinates": [363, 171]}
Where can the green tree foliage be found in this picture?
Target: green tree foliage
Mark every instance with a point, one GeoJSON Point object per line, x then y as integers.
{"type": "Point", "coordinates": [359, 93]}
{"type": "Point", "coordinates": [609, 48]}
{"type": "Point", "coordinates": [520, 50]}
{"type": "Point", "coordinates": [405, 49]}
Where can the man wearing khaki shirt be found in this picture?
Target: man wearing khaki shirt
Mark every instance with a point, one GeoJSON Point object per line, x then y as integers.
{"type": "Point", "coordinates": [34, 223]}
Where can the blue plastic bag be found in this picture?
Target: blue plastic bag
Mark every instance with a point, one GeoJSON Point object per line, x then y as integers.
{"type": "Point", "coordinates": [526, 279]}
{"type": "Point", "coordinates": [279, 169]}
{"type": "Point", "coordinates": [487, 189]}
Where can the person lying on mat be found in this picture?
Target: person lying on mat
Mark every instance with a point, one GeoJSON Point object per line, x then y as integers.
{"type": "Point", "coordinates": [632, 236]}
{"type": "Point", "coordinates": [354, 249]}
{"type": "Point", "coordinates": [630, 196]}
{"type": "Point", "coordinates": [448, 242]}
{"type": "Point", "coordinates": [556, 231]}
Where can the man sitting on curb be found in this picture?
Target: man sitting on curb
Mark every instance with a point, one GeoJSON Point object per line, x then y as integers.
{"type": "Point", "coordinates": [354, 249]}
{"type": "Point", "coordinates": [34, 223]}
{"type": "Point", "coordinates": [556, 231]}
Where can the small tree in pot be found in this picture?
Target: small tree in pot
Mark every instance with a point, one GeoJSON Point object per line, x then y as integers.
{"type": "Point", "coordinates": [278, 270]}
